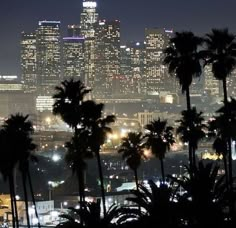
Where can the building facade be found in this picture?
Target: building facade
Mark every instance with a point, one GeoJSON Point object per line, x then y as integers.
{"type": "Point", "coordinates": [48, 56]}
{"type": "Point", "coordinates": [156, 74]}
{"type": "Point", "coordinates": [107, 56]}
{"type": "Point", "coordinates": [88, 18]}
{"type": "Point", "coordinates": [28, 61]}
{"type": "Point", "coordinates": [73, 58]}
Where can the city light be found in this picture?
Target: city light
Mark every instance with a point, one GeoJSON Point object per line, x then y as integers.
{"type": "Point", "coordinates": [89, 4]}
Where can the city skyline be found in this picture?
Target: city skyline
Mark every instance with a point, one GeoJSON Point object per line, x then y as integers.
{"type": "Point", "coordinates": [181, 15]}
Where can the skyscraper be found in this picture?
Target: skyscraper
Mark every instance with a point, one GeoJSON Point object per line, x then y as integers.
{"type": "Point", "coordinates": [73, 57]}
{"type": "Point", "coordinates": [107, 56]}
{"type": "Point", "coordinates": [28, 61]}
{"type": "Point", "coordinates": [48, 56]}
{"type": "Point", "coordinates": [211, 85]}
{"type": "Point", "coordinates": [88, 18]}
{"type": "Point", "coordinates": [156, 77]}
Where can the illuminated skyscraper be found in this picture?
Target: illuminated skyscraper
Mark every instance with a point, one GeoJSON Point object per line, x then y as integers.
{"type": "Point", "coordinates": [107, 56]}
{"type": "Point", "coordinates": [73, 57]}
{"type": "Point", "coordinates": [88, 18]}
{"type": "Point", "coordinates": [48, 56]}
{"type": "Point", "coordinates": [211, 85]}
{"type": "Point", "coordinates": [28, 61]}
{"type": "Point", "coordinates": [156, 77]}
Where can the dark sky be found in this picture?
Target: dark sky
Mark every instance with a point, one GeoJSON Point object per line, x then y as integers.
{"type": "Point", "coordinates": [196, 15]}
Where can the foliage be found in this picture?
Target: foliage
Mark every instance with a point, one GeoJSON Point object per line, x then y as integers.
{"type": "Point", "coordinates": [159, 137]}
{"type": "Point", "coordinates": [132, 149]}
{"type": "Point", "coordinates": [191, 119]}
{"type": "Point", "coordinates": [182, 58]}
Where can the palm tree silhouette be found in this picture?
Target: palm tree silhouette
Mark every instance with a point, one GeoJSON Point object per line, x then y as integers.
{"type": "Point", "coordinates": [157, 203]}
{"type": "Point", "coordinates": [17, 131]}
{"type": "Point", "coordinates": [69, 99]}
{"type": "Point", "coordinates": [197, 132]}
{"type": "Point", "coordinates": [132, 151]}
{"type": "Point", "coordinates": [159, 138]}
{"type": "Point", "coordinates": [97, 128]}
{"type": "Point", "coordinates": [221, 54]}
{"type": "Point", "coordinates": [204, 197]}
{"type": "Point", "coordinates": [220, 130]}
{"type": "Point", "coordinates": [183, 61]}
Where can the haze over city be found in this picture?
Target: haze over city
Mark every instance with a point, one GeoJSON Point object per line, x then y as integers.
{"type": "Point", "coordinates": [198, 16]}
{"type": "Point", "coordinates": [118, 114]}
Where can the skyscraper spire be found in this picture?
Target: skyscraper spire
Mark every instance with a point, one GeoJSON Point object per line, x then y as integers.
{"type": "Point", "coordinates": [88, 18]}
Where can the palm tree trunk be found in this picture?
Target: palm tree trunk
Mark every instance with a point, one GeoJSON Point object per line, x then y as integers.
{"type": "Point", "coordinates": [33, 198]}
{"type": "Point", "coordinates": [12, 205]}
{"type": "Point", "coordinates": [101, 180]}
{"type": "Point", "coordinates": [226, 171]}
{"type": "Point", "coordinates": [136, 178]}
{"type": "Point", "coordinates": [26, 198]}
{"type": "Point", "coordinates": [80, 176]}
{"type": "Point", "coordinates": [11, 180]}
{"type": "Point", "coordinates": [228, 139]}
{"type": "Point", "coordinates": [190, 153]}
{"type": "Point", "coordinates": [227, 110]}
{"type": "Point", "coordinates": [162, 170]}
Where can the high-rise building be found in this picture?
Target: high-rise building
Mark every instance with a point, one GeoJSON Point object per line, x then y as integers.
{"type": "Point", "coordinates": [137, 64]}
{"type": "Point", "coordinates": [88, 18]}
{"type": "Point", "coordinates": [156, 76]}
{"type": "Point", "coordinates": [73, 30]}
{"type": "Point", "coordinates": [73, 57]}
{"type": "Point", "coordinates": [107, 56]}
{"type": "Point", "coordinates": [48, 56]}
{"type": "Point", "coordinates": [28, 61]}
{"type": "Point", "coordinates": [211, 84]}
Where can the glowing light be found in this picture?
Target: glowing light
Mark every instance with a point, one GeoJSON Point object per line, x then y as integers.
{"type": "Point", "coordinates": [147, 153]}
{"type": "Point", "coordinates": [56, 158]}
{"type": "Point", "coordinates": [212, 156]}
{"type": "Point", "coordinates": [89, 4]}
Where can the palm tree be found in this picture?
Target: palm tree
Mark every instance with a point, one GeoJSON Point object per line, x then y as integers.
{"type": "Point", "coordinates": [7, 166]}
{"type": "Point", "coordinates": [221, 54]}
{"type": "Point", "coordinates": [69, 99]}
{"type": "Point", "coordinates": [197, 132]}
{"type": "Point", "coordinates": [97, 128]}
{"type": "Point", "coordinates": [68, 102]}
{"type": "Point", "coordinates": [77, 152]}
{"type": "Point", "coordinates": [220, 130]}
{"type": "Point", "coordinates": [157, 203]}
{"type": "Point", "coordinates": [159, 138]}
{"type": "Point", "coordinates": [182, 58]}
{"type": "Point", "coordinates": [205, 195]}
{"type": "Point", "coordinates": [90, 213]}
{"type": "Point", "coordinates": [132, 151]}
{"type": "Point", "coordinates": [18, 132]}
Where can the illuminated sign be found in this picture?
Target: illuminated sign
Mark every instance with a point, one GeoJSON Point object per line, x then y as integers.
{"type": "Point", "coordinates": [90, 4]}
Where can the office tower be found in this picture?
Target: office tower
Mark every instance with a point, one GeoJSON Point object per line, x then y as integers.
{"type": "Point", "coordinates": [231, 84]}
{"type": "Point", "coordinates": [137, 56]}
{"type": "Point", "coordinates": [73, 57]}
{"type": "Point", "coordinates": [73, 30]}
{"type": "Point", "coordinates": [211, 85]}
{"type": "Point", "coordinates": [48, 56]}
{"type": "Point", "coordinates": [107, 56]}
{"type": "Point", "coordinates": [28, 62]}
{"type": "Point", "coordinates": [156, 76]}
{"type": "Point", "coordinates": [88, 18]}
{"type": "Point", "coordinates": [125, 70]}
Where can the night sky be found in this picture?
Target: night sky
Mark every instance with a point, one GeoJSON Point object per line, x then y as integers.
{"type": "Point", "coordinates": [198, 16]}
